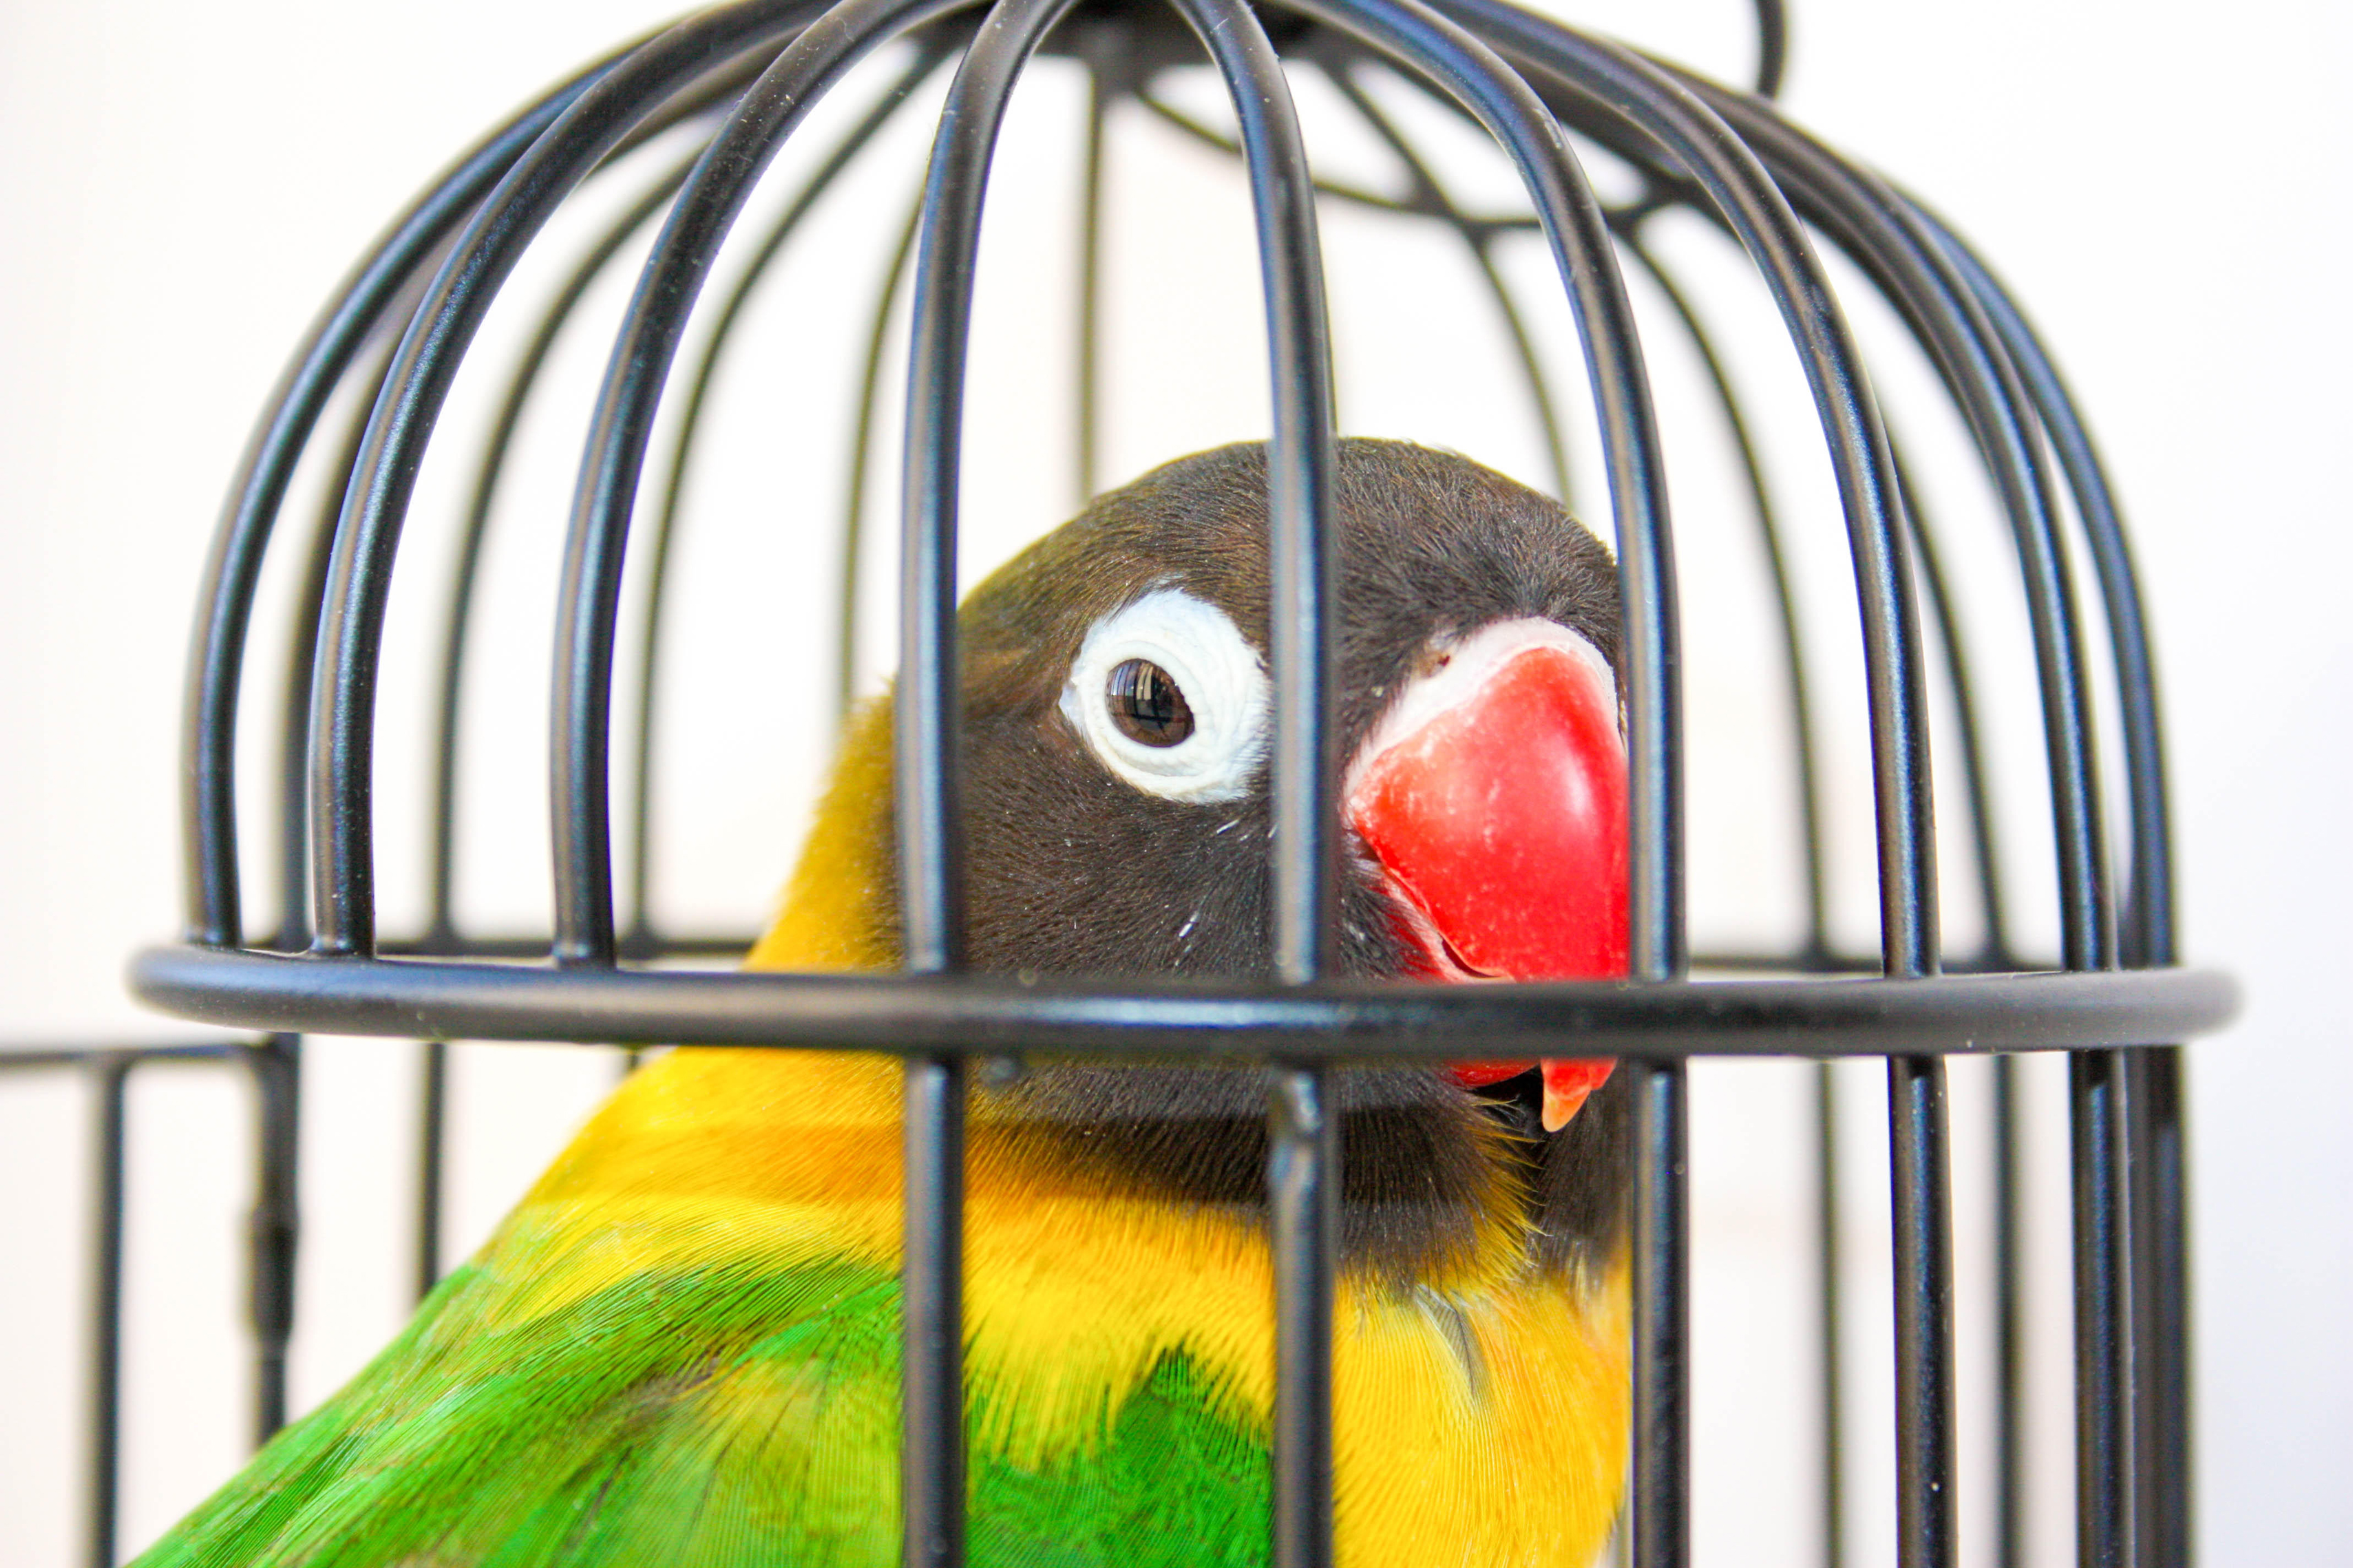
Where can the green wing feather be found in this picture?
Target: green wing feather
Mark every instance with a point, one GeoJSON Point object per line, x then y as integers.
{"type": "Point", "coordinates": [709, 1419]}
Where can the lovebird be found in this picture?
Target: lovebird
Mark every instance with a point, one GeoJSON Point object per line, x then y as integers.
{"type": "Point", "coordinates": [682, 1348]}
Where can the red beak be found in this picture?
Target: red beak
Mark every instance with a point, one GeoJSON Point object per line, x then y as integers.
{"type": "Point", "coordinates": [1494, 795]}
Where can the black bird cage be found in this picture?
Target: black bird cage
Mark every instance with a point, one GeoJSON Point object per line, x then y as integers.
{"type": "Point", "coordinates": [688, 121]}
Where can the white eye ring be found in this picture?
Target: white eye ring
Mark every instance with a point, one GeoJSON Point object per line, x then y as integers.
{"type": "Point", "coordinates": [1220, 675]}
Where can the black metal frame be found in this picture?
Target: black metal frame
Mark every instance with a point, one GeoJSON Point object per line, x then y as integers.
{"type": "Point", "coordinates": [273, 1063]}
{"type": "Point", "coordinates": [402, 323]}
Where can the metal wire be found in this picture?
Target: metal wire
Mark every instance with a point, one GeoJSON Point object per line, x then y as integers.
{"type": "Point", "coordinates": [1829, 1304]}
{"type": "Point", "coordinates": [432, 1123]}
{"type": "Point", "coordinates": [109, 1072]}
{"type": "Point", "coordinates": [1921, 280]}
{"type": "Point", "coordinates": [622, 428]}
{"type": "Point", "coordinates": [643, 939]}
{"type": "Point", "coordinates": [1303, 1139]}
{"type": "Point", "coordinates": [1753, 210]}
{"type": "Point", "coordinates": [929, 774]}
{"type": "Point", "coordinates": [1417, 204]}
{"type": "Point", "coordinates": [233, 573]}
{"type": "Point", "coordinates": [1152, 1020]}
{"type": "Point", "coordinates": [1430, 195]}
{"type": "Point", "coordinates": [343, 719]}
{"type": "Point", "coordinates": [1101, 53]}
{"type": "Point", "coordinates": [862, 445]}
{"type": "Point", "coordinates": [2157, 1158]}
{"type": "Point", "coordinates": [1994, 956]}
{"type": "Point", "coordinates": [441, 920]}
{"type": "Point", "coordinates": [108, 1079]}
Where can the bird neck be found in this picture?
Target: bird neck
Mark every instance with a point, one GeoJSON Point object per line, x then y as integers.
{"type": "Point", "coordinates": [841, 909]}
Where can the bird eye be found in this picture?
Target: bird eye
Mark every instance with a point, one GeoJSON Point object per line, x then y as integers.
{"type": "Point", "coordinates": [1148, 705]}
{"type": "Point", "coordinates": [1171, 698]}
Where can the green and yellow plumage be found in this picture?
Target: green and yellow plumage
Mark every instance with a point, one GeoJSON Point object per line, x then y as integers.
{"type": "Point", "coordinates": [681, 1348]}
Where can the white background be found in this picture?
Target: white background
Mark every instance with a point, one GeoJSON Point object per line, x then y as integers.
{"type": "Point", "coordinates": [180, 186]}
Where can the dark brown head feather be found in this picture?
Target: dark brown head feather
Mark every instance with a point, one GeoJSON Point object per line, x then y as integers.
{"type": "Point", "coordinates": [1073, 871]}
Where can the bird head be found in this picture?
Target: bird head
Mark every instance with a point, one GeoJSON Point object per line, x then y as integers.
{"type": "Point", "coordinates": [1117, 719]}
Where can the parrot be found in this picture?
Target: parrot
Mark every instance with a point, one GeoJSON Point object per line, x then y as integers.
{"type": "Point", "coordinates": [681, 1348]}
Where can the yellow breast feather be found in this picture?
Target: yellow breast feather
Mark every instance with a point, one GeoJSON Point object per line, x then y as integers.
{"type": "Point", "coordinates": [1479, 1416]}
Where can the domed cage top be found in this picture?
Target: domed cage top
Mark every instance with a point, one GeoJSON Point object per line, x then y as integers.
{"type": "Point", "coordinates": [739, 80]}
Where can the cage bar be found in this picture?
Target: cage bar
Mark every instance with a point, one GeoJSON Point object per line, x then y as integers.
{"type": "Point", "coordinates": [107, 1070]}
{"type": "Point", "coordinates": [108, 1079]}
